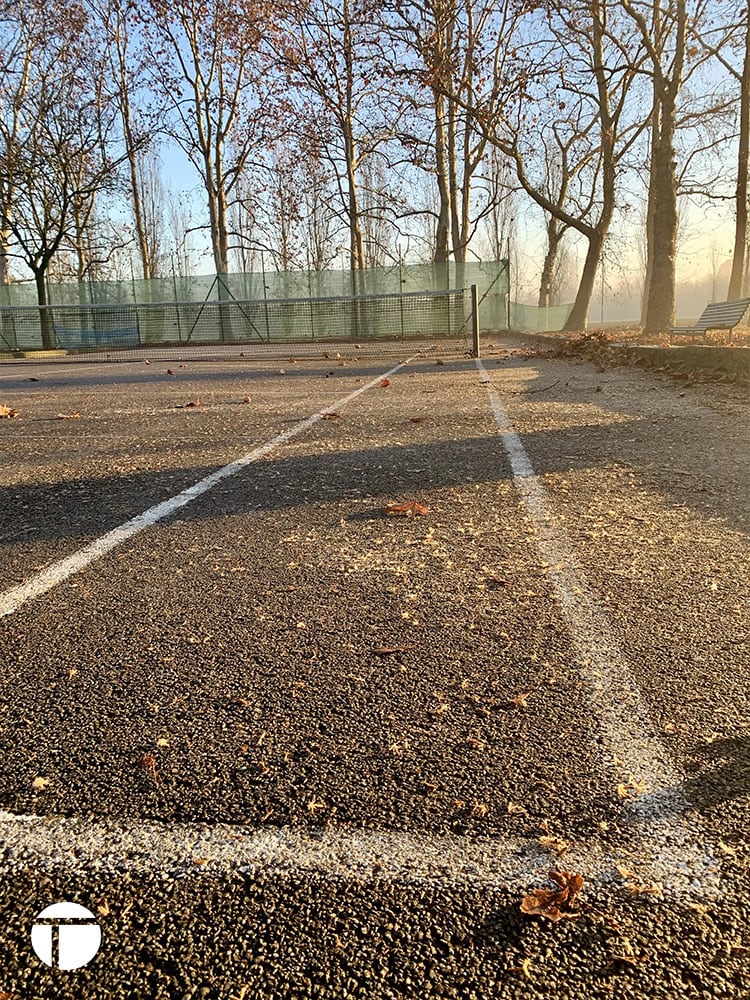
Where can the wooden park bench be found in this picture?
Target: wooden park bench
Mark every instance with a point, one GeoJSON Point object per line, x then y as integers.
{"type": "Point", "coordinates": [716, 316]}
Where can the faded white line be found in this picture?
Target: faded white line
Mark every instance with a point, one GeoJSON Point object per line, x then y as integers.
{"type": "Point", "coordinates": [15, 597]}
{"type": "Point", "coordinates": [171, 850]}
{"type": "Point", "coordinates": [670, 833]}
{"type": "Point", "coordinates": [26, 371]}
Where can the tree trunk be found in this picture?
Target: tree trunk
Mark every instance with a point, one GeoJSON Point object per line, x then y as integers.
{"type": "Point", "coordinates": [660, 293]}
{"type": "Point", "coordinates": [441, 168]}
{"type": "Point", "coordinates": [740, 230]}
{"type": "Point", "coordinates": [4, 269]}
{"type": "Point", "coordinates": [579, 314]}
{"type": "Point", "coordinates": [554, 236]}
{"type": "Point", "coordinates": [458, 249]}
{"type": "Point", "coordinates": [49, 341]}
{"type": "Point", "coordinates": [654, 138]}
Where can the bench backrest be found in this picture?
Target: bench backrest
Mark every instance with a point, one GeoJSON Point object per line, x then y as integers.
{"type": "Point", "coordinates": [722, 315]}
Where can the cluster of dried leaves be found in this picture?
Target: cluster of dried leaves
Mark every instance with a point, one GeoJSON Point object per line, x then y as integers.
{"type": "Point", "coordinates": [554, 904]}
{"type": "Point", "coordinates": [9, 412]}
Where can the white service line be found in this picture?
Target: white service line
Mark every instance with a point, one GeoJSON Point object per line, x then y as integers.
{"type": "Point", "coordinates": [633, 753]}
{"type": "Point", "coordinates": [13, 598]}
{"type": "Point", "coordinates": [80, 847]}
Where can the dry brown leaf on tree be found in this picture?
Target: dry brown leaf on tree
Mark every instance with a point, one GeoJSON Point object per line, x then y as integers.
{"type": "Point", "coordinates": [8, 411]}
{"type": "Point", "coordinates": [554, 904]}
{"type": "Point", "coordinates": [407, 509]}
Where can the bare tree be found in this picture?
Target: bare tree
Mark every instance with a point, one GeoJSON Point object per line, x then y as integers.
{"type": "Point", "coordinates": [203, 62]}
{"type": "Point", "coordinates": [443, 50]}
{"type": "Point", "coordinates": [126, 70]}
{"type": "Point", "coordinates": [329, 55]}
{"type": "Point", "coordinates": [502, 188]}
{"type": "Point", "coordinates": [54, 158]}
{"type": "Point", "coordinates": [720, 40]}
{"type": "Point", "coordinates": [577, 78]}
{"type": "Point", "coordinates": [666, 29]}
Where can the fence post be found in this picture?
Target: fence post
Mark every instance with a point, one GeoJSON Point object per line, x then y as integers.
{"type": "Point", "coordinates": [475, 320]}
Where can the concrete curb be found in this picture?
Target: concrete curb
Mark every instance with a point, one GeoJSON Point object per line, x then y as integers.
{"type": "Point", "coordinates": [728, 360]}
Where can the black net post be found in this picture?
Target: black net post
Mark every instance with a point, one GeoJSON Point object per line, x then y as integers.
{"type": "Point", "coordinates": [475, 320]}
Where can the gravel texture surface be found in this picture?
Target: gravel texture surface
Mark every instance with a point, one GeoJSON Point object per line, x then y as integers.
{"type": "Point", "coordinates": [281, 655]}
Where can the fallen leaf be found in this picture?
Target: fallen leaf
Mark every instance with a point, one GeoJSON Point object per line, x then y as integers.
{"type": "Point", "coordinates": [556, 844]}
{"type": "Point", "coordinates": [169, 371]}
{"type": "Point", "coordinates": [387, 650]}
{"type": "Point", "coordinates": [524, 968]}
{"type": "Point", "coordinates": [148, 763]}
{"type": "Point", "coordinates": [40, 783]}
{"type": "Point", "coordinates": [406, 509]}
{"type": "Point", "coordinates": [200, 862]}
{"type": "Point", "coordinates": [331, 416]}
{"type": "Point", "coordinates": [520, 701]}
{"type": "Point", "coordinates": [189, 406]}
{"type": "Point", "coordinates": [554, 904]}
{"type": "Point", "coordinates": [146, 361]}
{"type": "Point", "coordinates": [727, 849]}
{"type": "Point", "coordinates": [162, 742]}
{"type": "Point", "coordinates": [384, 383]}
{"type": "Point", "coordinates": [247, 399]}
{"type": "Point", "coordinates": [417, 420]}
{"type": "Point", "coordinates": [515, 810]}
{"type": "Point", "coordinates": [8, 411]}
{"type": "Point", "coordinates": [630, 788]}
{"type": "Point", "coordinates": [316, 805]}
{"type": "Point", "coordinates": [102, 909]}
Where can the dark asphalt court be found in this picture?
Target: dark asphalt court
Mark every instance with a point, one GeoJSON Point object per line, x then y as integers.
{"type": "Point", "coordinates": [280, 653]}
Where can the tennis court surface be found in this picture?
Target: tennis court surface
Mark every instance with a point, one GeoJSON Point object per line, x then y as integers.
{"type": "Point", "coordinates": [283, 743]}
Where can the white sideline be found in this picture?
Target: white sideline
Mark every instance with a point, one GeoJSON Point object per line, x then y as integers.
{"type": "Point", "coordinates": [13, 598]}
{"type": "Point", "coordinates": [631, 750]}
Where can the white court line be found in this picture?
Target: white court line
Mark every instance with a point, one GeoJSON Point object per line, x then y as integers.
{"type": "Point", "coordinates": [81, 846]}
{"type": "Point", "coordinates": [669, 833]}
{"type": "Point", "coordinates": [13, 598]}
{"type": "Point", "coordinates": [35, 372]}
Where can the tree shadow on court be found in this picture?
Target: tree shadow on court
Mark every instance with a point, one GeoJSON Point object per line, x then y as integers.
{"type": "Point", "coordinates": [726, 772]}
{"type": "Point", "coordinates": [585, 431]}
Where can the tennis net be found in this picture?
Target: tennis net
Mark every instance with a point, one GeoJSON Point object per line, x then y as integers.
{"type": "Point", "coordinates": [383, 324]}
